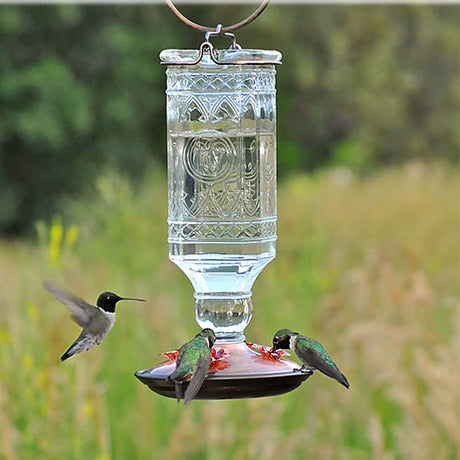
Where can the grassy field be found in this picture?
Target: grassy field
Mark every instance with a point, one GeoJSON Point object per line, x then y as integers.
{"type": "Point", "coordinates": [370, 267]}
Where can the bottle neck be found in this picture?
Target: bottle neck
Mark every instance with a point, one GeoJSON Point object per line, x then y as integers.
{"type": "Point", "coordinates": [226, 313]}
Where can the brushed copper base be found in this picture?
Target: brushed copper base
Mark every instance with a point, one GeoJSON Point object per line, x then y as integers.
{"type": "Point", "coordinates": [240, 373]}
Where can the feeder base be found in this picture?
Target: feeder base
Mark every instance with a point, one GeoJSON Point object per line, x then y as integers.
{"type": "Point", "coordinates": [240, 373]}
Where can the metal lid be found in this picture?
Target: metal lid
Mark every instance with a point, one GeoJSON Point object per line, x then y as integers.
{"type": "Point", "coordinates": [207, 54]}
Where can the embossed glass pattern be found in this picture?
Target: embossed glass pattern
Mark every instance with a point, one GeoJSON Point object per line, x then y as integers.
{"type": "Point", "coordinates": [221, 122]}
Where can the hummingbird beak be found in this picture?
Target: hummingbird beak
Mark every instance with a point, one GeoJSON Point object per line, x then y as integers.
{"type": "Point", "coordinates": [132, 298]}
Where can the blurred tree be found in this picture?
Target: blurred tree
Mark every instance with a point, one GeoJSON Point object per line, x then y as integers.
{"type": "Point", "coordinates": [370, 85]}
{"type": "Point", "coordinates": [81, 90]}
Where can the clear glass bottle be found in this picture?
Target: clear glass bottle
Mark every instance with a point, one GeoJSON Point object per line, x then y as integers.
{"type": "Point", "coordinates": [221, 130]}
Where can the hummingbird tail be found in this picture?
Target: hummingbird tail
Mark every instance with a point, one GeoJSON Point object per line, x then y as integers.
{"type": "Point", "coordinates": [67, 355]}
{"type": "Point", "coordinates": [80, 345]}
{"type": "Point", "coordinates": [70, 351]}
{"type": "Point", "coordinates": [178, 376]}
{"type": "Point", "coordinates": [343, 380]}
{"type": "Point", "coordinates": [178, 389]}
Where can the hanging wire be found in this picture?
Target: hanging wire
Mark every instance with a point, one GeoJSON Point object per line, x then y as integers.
{"type": "Point", "coordinates": [220, 30]}
{"type": "Point", "coordinates": [225, 29]}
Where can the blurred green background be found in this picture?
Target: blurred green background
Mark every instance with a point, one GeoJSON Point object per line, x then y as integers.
{"type": "Point", "coordinates": [81, 91]}
{"type": "Point", "coordinates": [368, 261]}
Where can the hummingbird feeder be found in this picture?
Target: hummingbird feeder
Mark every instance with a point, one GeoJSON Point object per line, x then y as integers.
{"type": "Point", "coordinates": [221, 143]}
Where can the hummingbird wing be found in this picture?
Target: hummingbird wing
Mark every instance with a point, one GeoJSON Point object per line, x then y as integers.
{"type": "Point", "coordinates": [82, 312]}
{"type": "Point", "coordinates": [198, 378]}
{"type": "Point", "coordinates": [313, 354]}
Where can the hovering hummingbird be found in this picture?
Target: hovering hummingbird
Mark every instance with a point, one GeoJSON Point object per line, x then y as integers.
{"type": "Point", "coordinates": [192, 364]}
{"type": "Point", "coordinates": [96, 321]}
{"type": "Point", "coordinates": [310, 352]}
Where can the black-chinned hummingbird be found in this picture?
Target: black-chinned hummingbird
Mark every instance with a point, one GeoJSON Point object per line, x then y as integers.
{"type": "Point", "coordinates": [310, 352]}
{"type": "Point", "coordinates": [192, 364]}
{"type": "Point", "coordinates": [96, 321]}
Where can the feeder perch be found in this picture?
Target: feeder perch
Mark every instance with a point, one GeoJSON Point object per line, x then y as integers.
{"type": "Point", "coordinates": [221, 142]}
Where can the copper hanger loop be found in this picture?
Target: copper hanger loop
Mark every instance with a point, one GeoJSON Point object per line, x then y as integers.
{"type": "Point", "coordinates": [225, 29]}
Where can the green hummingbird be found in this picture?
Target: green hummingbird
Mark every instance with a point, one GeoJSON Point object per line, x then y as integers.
{"type": "Point", "coordinates": [310, 352]}
{"type": "Point", "coordinates": [192, 364]}
{"type": "Point", "coordinates": [96, 321]}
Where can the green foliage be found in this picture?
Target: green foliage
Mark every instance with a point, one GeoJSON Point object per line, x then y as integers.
{"type": "Point", "coordinates": [81, 90]}
{"type": "Point", "coordinates": [378, 285]}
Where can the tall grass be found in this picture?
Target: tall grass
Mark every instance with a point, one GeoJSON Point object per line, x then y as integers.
{"type": "Point", "coordinates": [370, 267]}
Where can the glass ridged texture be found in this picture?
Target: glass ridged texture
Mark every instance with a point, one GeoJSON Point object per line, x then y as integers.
{"type": "Point", "coordinates": [221, 123]}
